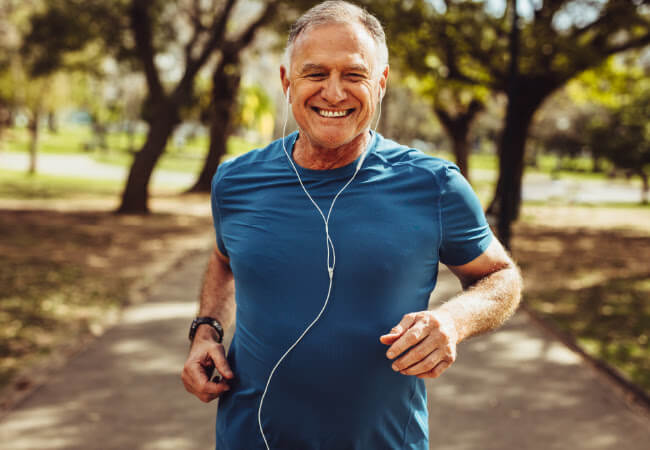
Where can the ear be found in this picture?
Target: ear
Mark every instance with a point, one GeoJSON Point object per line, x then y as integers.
{"type": "Point", "coordinates": [284, 79]}
{"type": "Point", "coordinates": [383, 80]}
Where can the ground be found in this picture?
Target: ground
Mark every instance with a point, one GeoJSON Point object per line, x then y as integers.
{"type": "Point", "coordinates": [66, 274]}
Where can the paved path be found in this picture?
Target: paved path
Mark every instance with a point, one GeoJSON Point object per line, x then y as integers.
{"type": "Point", "coordinates": [516, 389]}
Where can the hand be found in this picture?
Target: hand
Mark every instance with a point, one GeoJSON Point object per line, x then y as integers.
{"type": "Point", "coordinates": [431, 337]}
{"type": "Point", "coordinates": [206, 354]}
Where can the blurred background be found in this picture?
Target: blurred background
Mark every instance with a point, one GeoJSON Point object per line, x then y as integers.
{"type": "Point", "coordinates": [114, 115]}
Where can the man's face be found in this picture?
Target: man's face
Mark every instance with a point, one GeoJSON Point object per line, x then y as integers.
{"type": "Point", "coordinates": [334, 83]}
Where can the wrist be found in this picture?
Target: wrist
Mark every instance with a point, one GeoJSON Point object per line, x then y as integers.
{"type": "Point", "coordinates": [449, 324]}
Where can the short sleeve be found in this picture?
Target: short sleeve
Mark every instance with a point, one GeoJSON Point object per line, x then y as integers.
{"type": "Point", "coordinates": [465, 233]}
{"type": "Point", "coordinates": [215, 195]}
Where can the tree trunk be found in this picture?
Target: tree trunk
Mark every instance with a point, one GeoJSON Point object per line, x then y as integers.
{"type": "Point", "coordinates": [505, 205]}
{"type": "Point", "coordinates": [136, 193]}
{"type": "Point", "coordinates": [225, 85]}
{"type": "Point", "coordinates": [644, 187]}
{"type": "Point", "coordinates": [457, 128]}
{"type": "Point", "coordinates": [461, 153]}
{"type": "Point", "coordinates": [33, 143]}
{"type": "Point", "coordinates": [52, 125]}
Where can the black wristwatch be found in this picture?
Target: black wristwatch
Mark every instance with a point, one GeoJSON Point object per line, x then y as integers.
{"type": "Point", "coordinates": [214, 323]}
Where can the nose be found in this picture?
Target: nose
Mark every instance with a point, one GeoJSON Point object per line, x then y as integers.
{"type": "Point", "coordinates": [333, 92]}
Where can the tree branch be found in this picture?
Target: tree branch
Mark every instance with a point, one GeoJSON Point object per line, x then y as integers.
{"type": "Point", "coordinates": [632, 43]}
{"type": "Point", "coordinates": [194, 14]}
{"type": "Point", "coordinates": [141, 27]}
{"type": "Point", "coordinates": [217, 32]}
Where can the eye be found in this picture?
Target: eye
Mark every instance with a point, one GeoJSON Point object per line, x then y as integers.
{"type": "Point", "coordinates": [316, 76]}
{"type": "Point", "coordinates": [355, 76]}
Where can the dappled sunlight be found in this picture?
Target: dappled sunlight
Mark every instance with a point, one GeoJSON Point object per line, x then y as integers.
{"type": "Point", "coordinates": [158, 311]}
{"type": "Point", "coordinates": [114, 392]}
{"type": "Point", "coordinates": [165, 443]}
{"type": "Point", "coordinates": [515, 388]}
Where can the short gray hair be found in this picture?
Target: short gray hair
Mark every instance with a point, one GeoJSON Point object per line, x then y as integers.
{"type": "Point", "coordinates": [337, 11]}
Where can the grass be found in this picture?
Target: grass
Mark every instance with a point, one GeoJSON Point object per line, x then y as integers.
{"type": "Point", "coordinates": [610, 321]}
{"type": "Point", "coordinates": [18, 185]}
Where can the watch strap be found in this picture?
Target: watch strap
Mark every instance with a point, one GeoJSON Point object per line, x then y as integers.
{"type": "Point", "coordinates": [214, 323]}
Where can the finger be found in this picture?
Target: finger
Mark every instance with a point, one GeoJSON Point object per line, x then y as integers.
{"type": "Point", "coordinates": [416, 354]}
{"type": "Point", "coordinates": [425, 365]}
{"type": "Point", "coordinates": [218, 355]}
{"type": "Point", "coordinates": [388, 339]}
{"type": "Point", "coordinates": [411, 337]}
{"type": "Point", "coordinates": [197, 383]}
{"type": "Point", "coordinates": [436, 371]}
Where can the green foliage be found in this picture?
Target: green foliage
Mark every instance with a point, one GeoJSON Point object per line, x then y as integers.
{"type": "Point", "coordinates": [66, 29]}
{"type": "Point", "coordinates": [614, 105]}
{"type": "Point", "coordinates": [255, 110]}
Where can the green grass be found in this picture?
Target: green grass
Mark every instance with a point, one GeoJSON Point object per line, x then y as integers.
{"type": "Point", "coordinates": [610, 321]}
{"type": "Point", "coordinates": [70, 139]}
{"type": "Point", "coordinates": [19, 185]}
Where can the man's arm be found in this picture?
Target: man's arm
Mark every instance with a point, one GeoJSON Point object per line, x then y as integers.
{"type": "Point", "coordinates": [218, 301]}
{"type": "Point", "coordinates": [491, 292]}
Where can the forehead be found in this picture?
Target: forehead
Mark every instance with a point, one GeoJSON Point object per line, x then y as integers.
{"type": "Point", "coordinates": [334, 44]}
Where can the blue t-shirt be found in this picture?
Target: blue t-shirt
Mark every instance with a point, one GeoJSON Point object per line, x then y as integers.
{"type": "Point", "coordinates": [403, 214]}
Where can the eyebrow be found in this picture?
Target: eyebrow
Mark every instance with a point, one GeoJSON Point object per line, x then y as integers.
{"type": "Point", "coordinates": [312, 68]}
{"type": "Point", "coordinates": [309, 67]}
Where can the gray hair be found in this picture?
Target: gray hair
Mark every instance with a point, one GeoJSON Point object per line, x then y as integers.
{"type": "Point", "coordinates": [337, 11]}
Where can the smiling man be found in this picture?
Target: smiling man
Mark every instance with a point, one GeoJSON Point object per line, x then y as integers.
{"type": "Point", "coordinates": [331, 238]}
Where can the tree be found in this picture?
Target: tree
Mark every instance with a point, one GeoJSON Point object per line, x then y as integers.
{"type": "Point", "coordinates": [34, 95]}
{"type": "Point", "coordinates": [472, 42]}
{"type": "Point", "coordinates": [164, 108]}
{"type": "Point", "coordinates": [456, 104]}
{"type": "Point", "coordinates": [226, 79]}
{"type": "Point", "coordinates": [617, 97]}
{"type": "Point", "coordinates": [140, 33]}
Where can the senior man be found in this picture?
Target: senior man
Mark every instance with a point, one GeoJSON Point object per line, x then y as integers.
{"type": "Point", "coordinates": [332, 237]}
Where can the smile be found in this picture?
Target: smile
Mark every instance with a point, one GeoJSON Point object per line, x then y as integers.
{"type": "Point", "coordinates": [333, 113]}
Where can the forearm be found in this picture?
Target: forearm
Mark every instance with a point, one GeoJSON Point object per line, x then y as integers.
{"type": "Point", "coordinates": [218, 291]}
{"type": "Point", "coordinates": [486, 304]}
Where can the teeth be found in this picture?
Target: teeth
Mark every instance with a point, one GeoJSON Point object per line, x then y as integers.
{"type": "Point", "coordinates": [326, 113]}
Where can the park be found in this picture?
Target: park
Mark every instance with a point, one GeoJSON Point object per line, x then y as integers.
{"type": "Point", "coordinates": [114, 117]}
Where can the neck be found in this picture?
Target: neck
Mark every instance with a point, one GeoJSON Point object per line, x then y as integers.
{"type": "Point", "coordinates": [314, 157]}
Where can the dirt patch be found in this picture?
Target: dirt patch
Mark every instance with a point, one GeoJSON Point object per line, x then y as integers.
{"type": "Point", "coordinates": [66, 274]}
